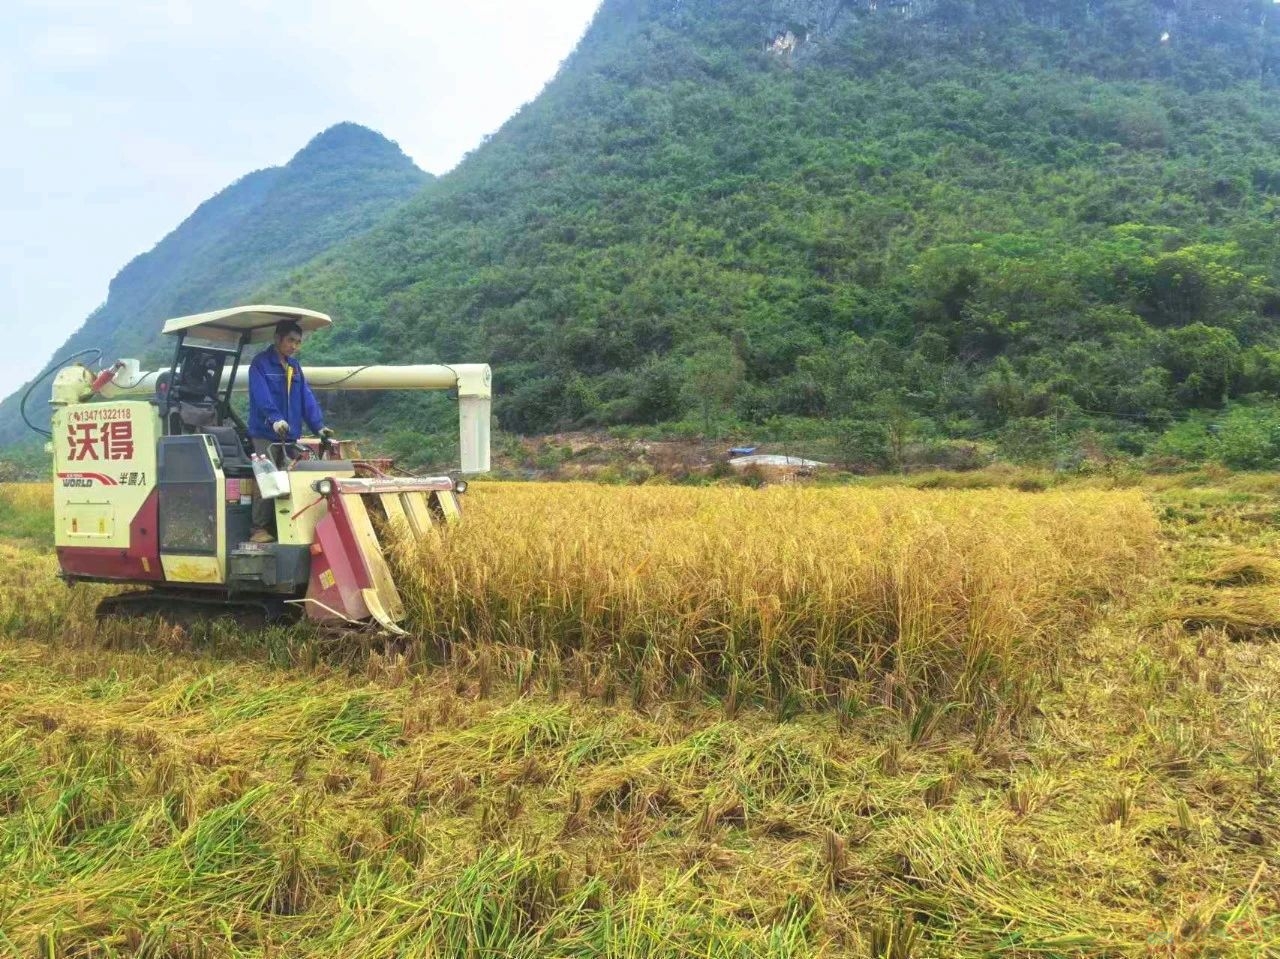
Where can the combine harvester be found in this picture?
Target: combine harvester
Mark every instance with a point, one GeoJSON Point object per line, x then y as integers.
{"type": "Point", "coordinates": [153, 483]}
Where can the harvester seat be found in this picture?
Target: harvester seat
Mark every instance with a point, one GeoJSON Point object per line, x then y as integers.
{"type": "Point", "coordinates": [235, 461]}
{"type": "Point", "coordinates": [198, 416]}
{"type": "Point", "coordinates": [193, 394]}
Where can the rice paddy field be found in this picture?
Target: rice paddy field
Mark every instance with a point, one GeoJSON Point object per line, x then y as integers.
{"type": "Point", "coordinates": [660, 721]}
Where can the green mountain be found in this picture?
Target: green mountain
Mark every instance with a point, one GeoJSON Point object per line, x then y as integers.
{"type": "Point", "coordinates": [999, 219]}
{"type": "Point", "coordinates": [345, 181]}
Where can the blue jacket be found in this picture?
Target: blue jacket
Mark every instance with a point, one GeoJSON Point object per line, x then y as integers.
{"type": "Point", "coordinates": [268, 402]}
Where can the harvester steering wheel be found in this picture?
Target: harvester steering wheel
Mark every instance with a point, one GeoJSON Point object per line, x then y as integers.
{"type": "Point", "coordinates": [291, 452]}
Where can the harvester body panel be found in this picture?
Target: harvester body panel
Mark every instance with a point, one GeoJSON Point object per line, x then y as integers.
{"type": "Point", "coordinates": [105, 503]}
{"type": "Point", "coordinates": [299, 513]}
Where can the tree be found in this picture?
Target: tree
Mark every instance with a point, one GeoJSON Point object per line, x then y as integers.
{"type": "Point", "coordinates": [713, 376]}
{"type": "Point", "coordinates": [1205, 361]}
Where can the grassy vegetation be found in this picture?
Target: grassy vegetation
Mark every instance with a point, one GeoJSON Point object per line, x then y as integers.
{"type": "Point", "coordinates": [168, 794]}
{"type": "Point", "coordinates": [26, 512]}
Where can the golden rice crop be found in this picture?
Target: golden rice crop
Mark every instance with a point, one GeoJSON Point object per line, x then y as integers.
{"type": "Point", "coordinates": [27, 496]}
{"type": "Point", "coordinates": [906, 596]}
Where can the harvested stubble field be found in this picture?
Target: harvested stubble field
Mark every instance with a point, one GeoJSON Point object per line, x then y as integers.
{"type": "Point", "coordinates": [663, 722]}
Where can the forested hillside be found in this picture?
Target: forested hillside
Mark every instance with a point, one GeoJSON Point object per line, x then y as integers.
{"type": "Point", "coordinates": [1003, 219]}
{"type": "Point", "coordinates": [252, 233]}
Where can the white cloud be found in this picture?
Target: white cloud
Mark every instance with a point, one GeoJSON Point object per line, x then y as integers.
{"type": "Point", "coordinates": [69, 49]}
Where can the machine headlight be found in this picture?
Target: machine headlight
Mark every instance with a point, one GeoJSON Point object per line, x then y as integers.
{"type": "Point", "coordinates": [460, 486]}
{"type": "Point", "coordinates": [324, 487]}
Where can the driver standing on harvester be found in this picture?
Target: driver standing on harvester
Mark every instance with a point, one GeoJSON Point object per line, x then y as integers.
{"type": "Point", "coordinates": [279, 403]}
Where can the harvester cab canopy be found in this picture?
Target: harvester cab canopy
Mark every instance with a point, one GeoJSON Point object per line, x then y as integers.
{"type": "Point", "coordinates": [242, 325]}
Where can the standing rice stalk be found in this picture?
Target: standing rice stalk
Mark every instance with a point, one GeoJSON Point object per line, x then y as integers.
{"type": "Point", "coordinates": [936, 599]}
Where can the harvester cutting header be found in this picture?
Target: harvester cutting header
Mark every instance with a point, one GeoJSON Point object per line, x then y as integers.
{"type": "Point", "coordinates": [155, 476]}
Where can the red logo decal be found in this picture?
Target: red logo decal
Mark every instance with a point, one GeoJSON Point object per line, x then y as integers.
{"type": "Point", "coordinates": [86, 479]}
{"type": "Point", "coordinates": [100, 441]}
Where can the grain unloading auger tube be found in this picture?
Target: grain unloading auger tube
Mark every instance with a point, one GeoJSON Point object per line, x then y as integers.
{"type": "Point", "coordinates": [154, 475]}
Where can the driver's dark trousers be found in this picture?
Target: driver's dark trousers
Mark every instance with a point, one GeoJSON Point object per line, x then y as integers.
{"type": "Point", "coordinates": [264, 509]}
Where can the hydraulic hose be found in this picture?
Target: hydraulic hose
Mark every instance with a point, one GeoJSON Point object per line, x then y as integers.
{"type": "Point", "coordinates": [53, 368]}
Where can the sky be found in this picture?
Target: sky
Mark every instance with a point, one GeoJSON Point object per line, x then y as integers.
{"type": "Point", "coordinates": [121, 116]}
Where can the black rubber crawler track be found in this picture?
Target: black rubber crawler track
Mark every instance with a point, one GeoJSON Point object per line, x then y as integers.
{"type": "Point", "coordinates": [191, 609]}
